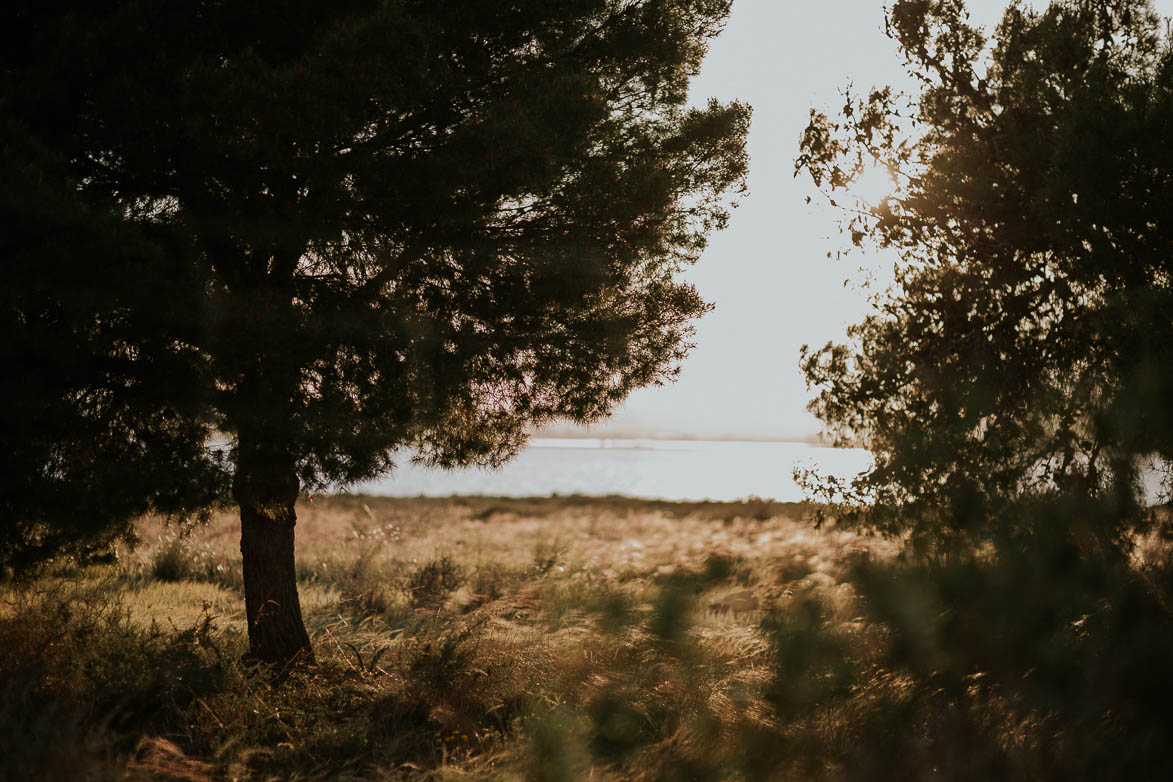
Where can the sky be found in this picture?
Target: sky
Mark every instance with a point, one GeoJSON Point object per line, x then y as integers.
{"type": "Point", "coordinates": [767, 273]}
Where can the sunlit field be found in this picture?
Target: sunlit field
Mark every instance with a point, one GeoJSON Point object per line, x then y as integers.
{"type": "Point", "coordinates": [556, 639]}
{"type": "Point", "coordinates": [516, 638]}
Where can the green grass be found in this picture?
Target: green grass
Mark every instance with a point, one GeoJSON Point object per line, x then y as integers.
{"type": "Point", "coordinates": [579, 638]}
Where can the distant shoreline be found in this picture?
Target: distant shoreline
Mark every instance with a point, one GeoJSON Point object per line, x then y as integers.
{"type": "Point", "coordinates": [656, 468]}
{"type": "Point", "coordinates": [482, 506]}
{"type": "Point", "coordinates": [681, 438]}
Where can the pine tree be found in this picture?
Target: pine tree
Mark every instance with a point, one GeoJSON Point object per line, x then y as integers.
{"type": "Point", "coordinates": [375, 225]}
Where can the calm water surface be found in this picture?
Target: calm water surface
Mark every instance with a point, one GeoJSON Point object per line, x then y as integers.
{"type": "Point", "coordinates": [656, 469]}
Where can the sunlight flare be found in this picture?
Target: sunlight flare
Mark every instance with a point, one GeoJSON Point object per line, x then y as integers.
{"type": "Point", "coordinates": [873, 184]}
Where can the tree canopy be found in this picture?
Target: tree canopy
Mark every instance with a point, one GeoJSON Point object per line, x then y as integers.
{"type": "Point", "coordinates": [1024, 352]}
{"type": "Point", "coordinates": [105, 415]}
{"type": "Point", "coordinates": [332, 230]}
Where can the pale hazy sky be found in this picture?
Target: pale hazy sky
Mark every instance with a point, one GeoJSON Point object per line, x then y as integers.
{"type": "Point", "coordinates": [767, 273]}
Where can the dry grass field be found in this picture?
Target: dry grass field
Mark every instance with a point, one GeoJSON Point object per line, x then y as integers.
{"type": "Point", "coordinates": [521, 566]}
{"type": "Point", "coordinates": [537, 638]}
{"type": "Point", "coordinates": [545, 639]}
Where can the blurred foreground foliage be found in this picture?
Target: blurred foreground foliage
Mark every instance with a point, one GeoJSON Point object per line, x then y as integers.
{"type": "Point", "coordinates": [1013, 386]}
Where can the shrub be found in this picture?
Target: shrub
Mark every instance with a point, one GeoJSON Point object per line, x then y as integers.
{"type": "Point", "coordinates": [431, 584]}
{"type": "Point", "coordinates": [77, 677]}
{"type": "Point", "coordinates": [172, 561]}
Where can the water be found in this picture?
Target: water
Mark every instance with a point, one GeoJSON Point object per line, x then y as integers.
{"type": "Point", "coordinates": [653, 469]}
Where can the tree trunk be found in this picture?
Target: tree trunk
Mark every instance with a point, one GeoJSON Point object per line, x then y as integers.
{"type": "Point", "coordinates": [262, 413]}
{"type": "Point", "coordinates": [267, 492]}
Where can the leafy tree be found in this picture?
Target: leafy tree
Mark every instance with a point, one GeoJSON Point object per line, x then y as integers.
{"type": "Point", "coordinates": [1024, 353]}
{"type": "Point", "coordinates": [365, 225]}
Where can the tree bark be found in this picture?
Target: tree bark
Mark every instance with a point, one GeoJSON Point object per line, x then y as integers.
{"type": "Point", "coordinates": [266, 492]}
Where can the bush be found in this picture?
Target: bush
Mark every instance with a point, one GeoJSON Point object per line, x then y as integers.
{"type": "Point", "coordinates": [431, 584]}
{"type": "Point", "coordinates": [172, 561]}
{"type": "Point", "coordinates": [1019, 663]}
{"type": "Point", "coordinates": [77, 677]}
{"type": "Point", "coordinates": [180, 559]}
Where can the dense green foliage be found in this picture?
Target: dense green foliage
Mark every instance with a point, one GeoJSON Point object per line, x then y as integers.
{"type": "Point", "coordinates": [325, 231]}
{"type": "Point", "coordinates": [1024, 352]}
{"type": "Point", "coordinates": [104, 418]}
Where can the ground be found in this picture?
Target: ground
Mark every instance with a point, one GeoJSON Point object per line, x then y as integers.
{"type": "Point", "coordinates": [454, 636]}
{"type": "Point", "coordinates": [590, 638]}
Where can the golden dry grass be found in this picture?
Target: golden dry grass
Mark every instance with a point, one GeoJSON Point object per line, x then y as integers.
{"type": "Point", "coordinates": [465, 636]}
{"type": "Point", "coordinates": [573, 638]}
{"type": "Point", "coordinates": [536, 553]}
